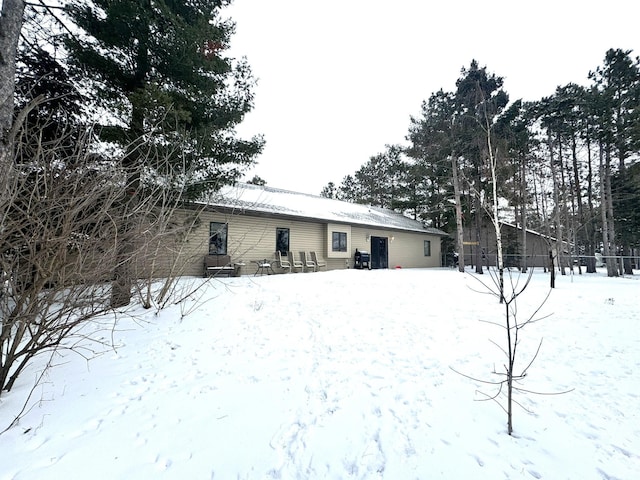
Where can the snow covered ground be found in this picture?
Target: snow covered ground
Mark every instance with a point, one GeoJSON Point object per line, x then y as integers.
{"type": "Point", "coordinates": [343, 374]}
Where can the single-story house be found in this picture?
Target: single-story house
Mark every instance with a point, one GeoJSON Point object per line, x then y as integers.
{"type": "Point", "coordinates": [250, 223]}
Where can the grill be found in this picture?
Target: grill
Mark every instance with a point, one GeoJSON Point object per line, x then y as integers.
{"type": "Point", "coordinates": [361, 260]}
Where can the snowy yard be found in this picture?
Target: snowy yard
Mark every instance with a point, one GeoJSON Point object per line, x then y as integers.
{"type": "Point", "coordinates": [343, 374]}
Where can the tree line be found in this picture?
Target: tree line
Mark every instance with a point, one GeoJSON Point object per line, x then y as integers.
{"type": "Point", "coordinates": [566, 165]}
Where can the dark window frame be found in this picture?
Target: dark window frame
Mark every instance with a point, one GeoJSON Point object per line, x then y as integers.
{"type": "Point", "coordinates": [427, 248]}
{"type": "Point", "coordinates": [218, 236]}
{"type": "Point", "coordinates": [339, 241]}
{"type": "Point", "coordinates": [281, 233]}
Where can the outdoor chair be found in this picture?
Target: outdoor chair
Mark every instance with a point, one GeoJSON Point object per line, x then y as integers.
{"type": "Point", "coordinates": [295, 264]}
{"type": "Point", "coordinates": [283, 263]}
{"type": "Point", "coordinates": [308, 263]}
{"type": "Point", "coordinates": [320, 262]}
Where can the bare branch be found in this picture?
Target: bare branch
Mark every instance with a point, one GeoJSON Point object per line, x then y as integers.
{"type": "Point", "coordinates": [475, 379]}
{"type": "Point", "coordinates": [544, 393]}
{"type": "Point", "coordinates": [500, 347]}
{"type": "Point", "coordinates": [493, 323]}
{"type": "Point", "coordinates": [50, 10]}
{"type": "Point", "coordinates": [533, 358]}
{"type": "Point", "coordinates": [494, 398]}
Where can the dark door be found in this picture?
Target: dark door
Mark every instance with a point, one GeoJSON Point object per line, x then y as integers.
{"type": "Point", "coordinates": [379, 252]}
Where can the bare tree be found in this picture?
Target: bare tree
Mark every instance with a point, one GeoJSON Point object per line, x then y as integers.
{"type": "Point", "coordinates": [57, 249]}
{"type": "Point", "coordinates": [161, 234]}
{"type": "Point", "coordinates": [512, 328]}
{"type": "Point", "coordinates": [61, 214]}
{"type": "Point", "coordinates": [511, 374]}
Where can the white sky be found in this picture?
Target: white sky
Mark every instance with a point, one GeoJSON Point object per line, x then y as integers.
{"type": "Point", "coordinates": [339, 79]}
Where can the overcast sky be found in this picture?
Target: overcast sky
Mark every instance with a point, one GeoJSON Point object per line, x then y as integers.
{"type": "Point", "coordinates": [339, 79]}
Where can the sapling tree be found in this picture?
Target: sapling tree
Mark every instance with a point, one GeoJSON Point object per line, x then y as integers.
{"type": "Point", "coordinates": [507, 293]}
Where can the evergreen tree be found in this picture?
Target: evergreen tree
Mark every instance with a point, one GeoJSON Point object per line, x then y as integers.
{"type": "Point", "coordinates": [479, 99]}
{"type": "Point", "coordinates": [432, 145]}
{"type": "Point", "coordinates": [168, 96]}
{"type": "Point", "coordinates": [618, 83]}
{"type": "Point", "coordinates": [160, 79]}
{"type": "Point", "coordinates": [349, 190]}
{"type": "Point", "coordinates": [52, 105]}
{"type": "Point", "coordinates": [514, 139]}
{"type": "Point", "coordinates": [627, 214]}
{"type": "Point", "coordinates": [617, 113]}
{"type": "Point", "coordinates": [329, 191]}
{"type": "Point", "coordinates": [381, 180]}
{"type": "Point", "coordinates": [257, 180]}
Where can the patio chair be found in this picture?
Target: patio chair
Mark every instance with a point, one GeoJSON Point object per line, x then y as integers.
{"type": "Point", "coordinates": [295, 264]}
{"type": "Point", "coordinates": [308, 263]}
{"type": "Point", "coordinates": [320, 262]}
{"type": "Point", "coordinates": [284, 263]}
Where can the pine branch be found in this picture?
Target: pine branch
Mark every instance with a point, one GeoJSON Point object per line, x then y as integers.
{"type": "Point", "coordinates": [50, 10]}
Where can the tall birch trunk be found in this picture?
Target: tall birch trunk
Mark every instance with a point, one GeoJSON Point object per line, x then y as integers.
{"type": "Point", "coordinates": [458, 200]}
{"type": "Point", "coordinates": [495, 219]}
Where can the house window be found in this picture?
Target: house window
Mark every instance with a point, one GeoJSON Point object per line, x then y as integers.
{"type": "Point", "coordinates": [427, 248]}
{"type": "Point", "coordinates": [282, 240]}
{"type": "Point", "coordinates": [217, 238]}
{"type": "Point", "coordinates": [338, 241]}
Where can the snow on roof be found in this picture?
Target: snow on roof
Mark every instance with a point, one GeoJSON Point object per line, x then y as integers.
{"type": "Point", "coordinates": [533, 232]}
{"type": "Point", "coordinates": [268, 200]}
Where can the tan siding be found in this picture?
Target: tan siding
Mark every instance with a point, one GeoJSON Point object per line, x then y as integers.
{"type": "Point", "coordinates": [251, 238]}
{"type": "Point", "coordinates": [180, 249]}
{"type": "Point", "coordinates": [406, 249]}
{"type": "Point", "coordinates": [359, 239]}
{"type": "Point", "coordinates": [171, 252]}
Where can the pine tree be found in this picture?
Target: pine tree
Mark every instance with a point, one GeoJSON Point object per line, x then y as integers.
{"type": "Point", "coordinates": [617, 84]}
{"type": "Point", "coordinates": [432, 145]}
{"type": "Point", "coordinates": [479, 100]}
{"type": "Point", "coordinates": [169, 97]}
{"type": "Point", "coordinates": [329, 191]}
{"type": "Point", "coordinates": [160, 78]}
